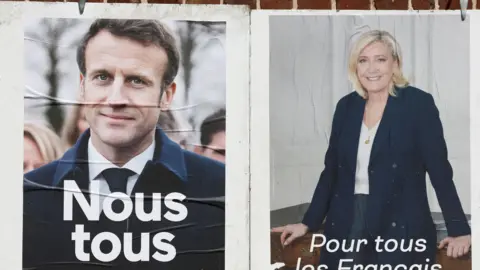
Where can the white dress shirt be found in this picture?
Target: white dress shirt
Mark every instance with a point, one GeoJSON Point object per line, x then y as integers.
{"type": "Point", "coordinates": [363, 159]}
{"type": "Point", "coordinates": [98, 163]}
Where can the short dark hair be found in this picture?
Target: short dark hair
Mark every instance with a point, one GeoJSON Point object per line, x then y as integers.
{"type": "Point", "coordinates": [145, 32]}
{"type": "Point", "coordinates": [212, 125]}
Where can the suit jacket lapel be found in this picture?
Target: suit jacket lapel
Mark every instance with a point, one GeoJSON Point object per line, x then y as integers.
{"type": "Point", "coordinates": [154, 179]}
{"type": "Point", "coordinates": [353, 127]}
{"type": "Point", "coordinates": [157, 179]}
{"type": "Point", "coordinates": [382, 137]}
{"type": "Point", "coordinates": [354, 124]}
{"type": "Point", "coordinates": [166, 172]}
{"type": "Point", "coordinates": [81, 179]}
{"type": "Point", "coordinates": [74, 166]}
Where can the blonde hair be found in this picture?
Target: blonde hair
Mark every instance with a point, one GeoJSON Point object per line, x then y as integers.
{"type": "Point", "coordinates": [50, 146]}
{"type": "Point", "coordinates": [365, 40]}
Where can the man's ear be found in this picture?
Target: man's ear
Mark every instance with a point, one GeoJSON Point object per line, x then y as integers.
{"type": "Point", "coordinates": [168, 95]}
{"type": "Point", "coordinates": [82, 86]}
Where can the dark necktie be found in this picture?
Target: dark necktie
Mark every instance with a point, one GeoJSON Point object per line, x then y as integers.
{"type": "Point", "coordinates": [117, 178]}
{"type": "Point", "coordinates": [117, 181]}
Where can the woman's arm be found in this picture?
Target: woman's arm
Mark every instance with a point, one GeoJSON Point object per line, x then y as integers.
{"type": "Point", "coordinates": [435, 157]}
{"type": "Point", "coordinates": [318, 208]}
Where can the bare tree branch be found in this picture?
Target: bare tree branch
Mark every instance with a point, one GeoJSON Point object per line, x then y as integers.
{"type": "Point", "coordinates": [49, 36]}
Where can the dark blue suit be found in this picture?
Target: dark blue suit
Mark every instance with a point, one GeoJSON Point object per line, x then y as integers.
{"type": "Point", "coordinates": [199, 239]}
{"type": "Point", "coordinates": [409, 142]}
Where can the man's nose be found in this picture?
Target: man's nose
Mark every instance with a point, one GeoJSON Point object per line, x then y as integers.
{"type": "Point", "coordinates": [116, 95]}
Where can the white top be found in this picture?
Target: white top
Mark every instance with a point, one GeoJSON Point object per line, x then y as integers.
{"type": "Point", "coordinates": [98, 163]}
{"type": "Point", "coordinates": [363, 158]}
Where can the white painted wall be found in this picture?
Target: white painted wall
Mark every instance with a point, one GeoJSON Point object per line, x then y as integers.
{"type": "Point", "coordinates": [308, 75]}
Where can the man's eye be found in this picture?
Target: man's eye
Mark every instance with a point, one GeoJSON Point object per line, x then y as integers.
{"type": "Point", "coordinates": [136, 81]}
{"type": "Point", "coordinates": [102, 77]}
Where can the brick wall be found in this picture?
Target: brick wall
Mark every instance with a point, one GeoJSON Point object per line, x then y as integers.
{"type": "Point", "coordinates": [316, 4]}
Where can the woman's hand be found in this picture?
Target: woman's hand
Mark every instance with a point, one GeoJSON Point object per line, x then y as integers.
{"type": "Point", "coordinates": [456, 246]}
{"type": "Point", "coordinates": [292, 231]}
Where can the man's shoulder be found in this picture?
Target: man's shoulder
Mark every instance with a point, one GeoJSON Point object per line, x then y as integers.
{"type": "Point", "coordinates": [205, 175]}
{"type": "Point", "coordinates": [39, 198]}
{"type": "Point", "coordinates": [43, 175]}
{"type": "Point", "coordinates": [196, 163]}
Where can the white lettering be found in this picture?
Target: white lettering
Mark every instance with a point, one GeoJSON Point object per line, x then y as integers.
{"type": "Point", "coordinates": [341, 267]}
{"type": "Point", "coordinates": [388, 247]}
{"type": "Point", "coordinates": [314, 237]}
{"type": "Point", "coordinates": [143, 254]}
{"type": "Point", "coordinates": [167, 247]}
{"type": "Point", "coordinates": [170, 202]}
{"type": "Point", "coordinates": [421, 245]}
{"type": "Point", "coordinates": [71, 190]}
{"type": "Point", "coordinates": [127, 206]}
{"type": "Point", "coordinates": [155, 214]}
{"type": "Point", "coordinates": [116, 246]}
{"type": "Point", "coordinates": [79, 237]}
{"type": "Point", "coordinates": [333, 245]}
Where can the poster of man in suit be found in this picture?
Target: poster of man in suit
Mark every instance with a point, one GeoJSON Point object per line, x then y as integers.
{"type": "Point", "coordinates": [113, 113]}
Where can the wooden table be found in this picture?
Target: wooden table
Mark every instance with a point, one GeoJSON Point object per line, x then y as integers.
{"type": "Point", "coordinates": [300, 248]}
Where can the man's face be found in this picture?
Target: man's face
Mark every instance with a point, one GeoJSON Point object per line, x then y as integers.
{"type": "Point", "coordinates": [216, 148]}
{"type": "Point", "coordinates": [122, 87]}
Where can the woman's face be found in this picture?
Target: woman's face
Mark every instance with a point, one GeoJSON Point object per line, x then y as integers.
{"type": "Point", "coordinates": [32, 158]}
{"type": "Point", "coordinates": [82, 123]}
{"type": "Point", "coordinates": [375, 67]}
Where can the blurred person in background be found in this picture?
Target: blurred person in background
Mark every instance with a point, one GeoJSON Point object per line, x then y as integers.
{"type": "Point", "coordinates": [212, 137]}
{"type": "Point", "coordinates": [40, 146]}
{"type": "Point", "coordinates": [75, 125]}
{"type": "Point", "coordinates": [170, 126]}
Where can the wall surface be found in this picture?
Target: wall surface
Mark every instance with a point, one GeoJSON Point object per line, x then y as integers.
{"type": "Point", "coordinates": [315, 4]}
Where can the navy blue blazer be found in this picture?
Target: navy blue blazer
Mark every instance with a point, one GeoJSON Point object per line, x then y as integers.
{"type": "Point", "coordinates": [408, 144]}
{"type": "Point", "coordinates": [199, 239]}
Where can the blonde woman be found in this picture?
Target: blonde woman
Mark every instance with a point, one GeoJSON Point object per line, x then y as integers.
{"type": "Point", "coordinates": [385, 137]}
{"type": "Point", "coordinates": [40, 146]}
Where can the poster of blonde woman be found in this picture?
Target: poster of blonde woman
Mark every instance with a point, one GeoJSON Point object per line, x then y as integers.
{"type": "Point", "coordinates": [369, 141]}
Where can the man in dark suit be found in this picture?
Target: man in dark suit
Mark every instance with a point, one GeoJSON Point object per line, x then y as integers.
{"type": "Point", "coordinates": [127, 77]}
